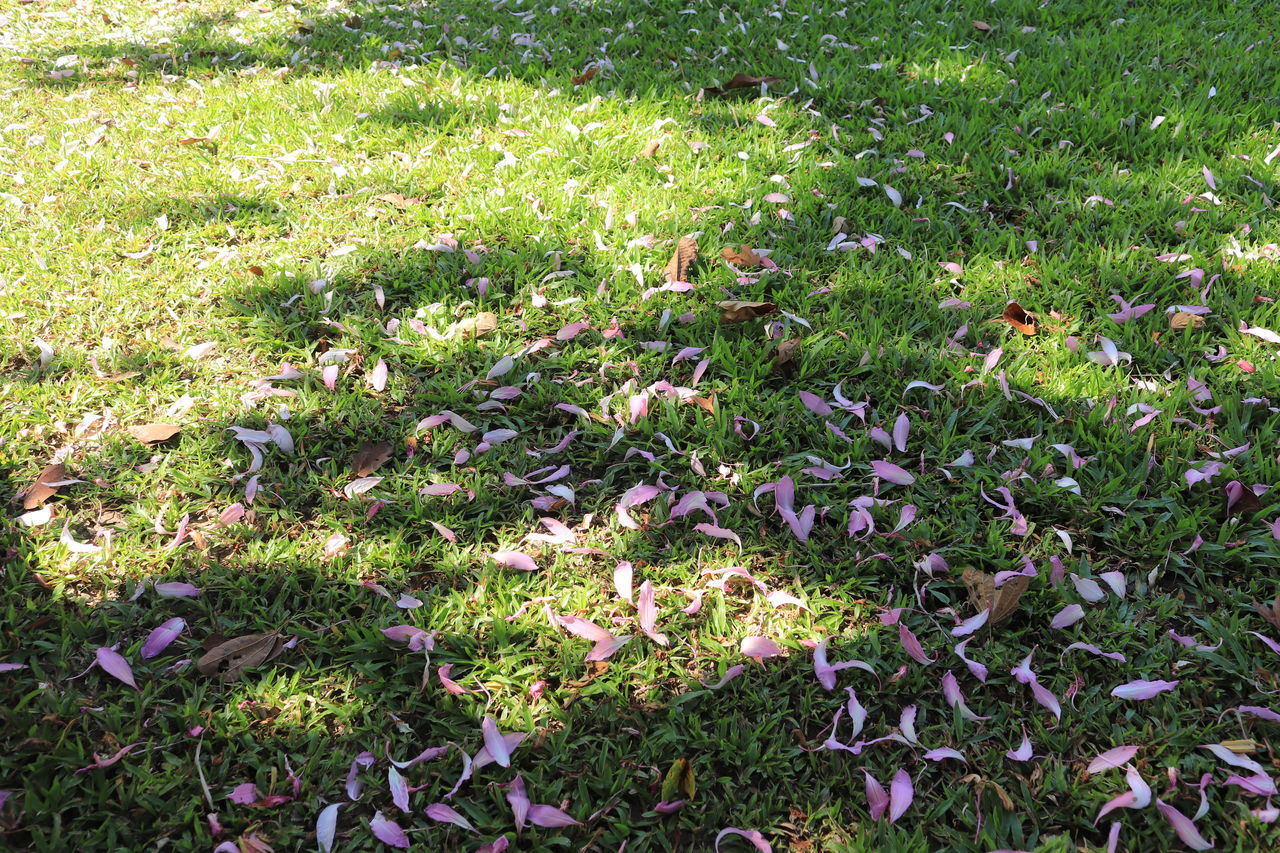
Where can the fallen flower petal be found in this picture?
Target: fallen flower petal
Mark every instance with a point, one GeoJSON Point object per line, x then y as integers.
{"type": "Point", "coordinates": [751, 835]}
{"type": "Point", "coordinates": [1183, 827]}
{"type": "Point", "coordinates": [1143, 689]}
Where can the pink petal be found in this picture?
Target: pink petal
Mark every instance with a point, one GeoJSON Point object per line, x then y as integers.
{"type": "Point", "coordinates": [759, 647]}
{"type": "Point", "coordinates": [901, 429]}
{"type": "Point", "coordinates": [1114, 757]}
{"type": "Point", "coordinates": [160, 638]}
{"type": "Point", "coordinates": [971, 624]}
{"type": "Point", "coordinates": [446, 814]}
{"type": "Point", "coordinates": [901, 793]}
{"type": "Point", "coordinates": [1143, 689]}
{"type": "Point", "coordinates": [892, 473]}
{"type": "Point", "coordinates": [718, 532]}
{"type": "Point", "coordinates": [1023, 752]}
{"type": "Point", "coordinates": [494, 742]}
{"type": "Point", "coordinates": [177, 590]}
{"type": "Point", "coordinates": [549, 816]}
{"type": "Point", "coordinates": [815, 404]}
{"type": "Point", "coordinates": [648, 614]}
{"type": "Point", "coordinates": [826, 672]}
{"type": "Point", "coordinates": [244, 794]}
{"type": "Point", "coordinates": [729, 675]}
{"type": "Point", "coordinates": [116, 666]}
{"type": "Point", "coordinates": [751, 835]}
{"type": "Point", "coordinates": [911, 645]}
{"type": "Point", "coordinates": [622, 575]}
{"type": "Point", "coordinates": [944, 752]}
{"type": "Point", "coordinates": [514, 560]}
{"type": "Point", "coordinates": [1182, 825]}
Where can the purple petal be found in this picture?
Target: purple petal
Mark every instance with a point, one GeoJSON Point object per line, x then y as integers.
{"type": "Point", "coordinates": [1067, 616]}
{"type": "Point", "coordinates": [901, 429]}
{"type": "Point", "coordinates": [388, 832]}
{"type": "Point", "coordinates": [1143, 689]}
{"type": "Point", "coordinates": [519, 802]}
{"type": "Point", "coordinates": [160, 638]}
{"type": "Point", "coordinates": [327, 827]}
{"type": "Point", "coordinates": [944, 752]}
{"type": "Point", "coordinates": [901, 793]}
{"type": "Point", "coordinates": [911, 645]}
{"type": "Point", "coordinates": [494, 742]}
{"type": "Point", "coordinates": [971, 624]}
{"type": "Point", "coordinates": [514, 560]}
{"type": "Point", "coordinates": [751, 835]}
{"type": "Point", "coordinates": [244, 794]}
{"type": "Point", "coordinates": [729, 675]}
{"type": "Point", "coordinates": [718, 532]}
{"type": "Point", "coordinates": [1117, 756]}
{"type": "Point", "coordinates": [826, 672]}
{"type": "Point", "coordinates": [877, 799]}
{"type": "Point", "coordinates": [115, 665]}
{"type": "Point", "coordinates": [815, 404]}
{"type": "Point", "coordinates": [446, 814]}
{"type": "Point", "coordinates": [399, 789]}
{"type": "Point", "coordinates": [1183, 827]}
{"type": "Point", "coordinates": [550, 816]}
{"type": "Point", "coordinates": [892, 473]}
{"type": "Point", "coordinates": [1023, 752]}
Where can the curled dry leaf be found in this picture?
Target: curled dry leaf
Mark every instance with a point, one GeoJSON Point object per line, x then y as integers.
{"type": "Point", "coordinates": [1018, 317]}
{"type": "Point", "coordinates": [1270, 612]}
{"type": "Point", "coordinates": [682, 260]}
{"type": "Point", "coordinates": [679, 781]}
{"type": "Point", "coordinates": [1003, 602]}
{"type": "Point", "coordinates": [741, 81]}
{"type": "Point", "coordinates": [230, 658]}
{"type": "Point", "coordinates": [154, 433]}
{"type": "Point", "coordinates": [786, 357]}
{"type": "Point", "coordinates": [982, 26]}
{"type": "Point", "coordinates": [736, 311]}
{"type": "Point", "coordinates": [585, 76]}
{"type": "Point", "coordinates": [477, 326]}
{"type": "Point", "coordinates": [371, 456]}
{"type": "Point", "coordinates": [40, 491]}
{"type": "Point", "coordinates": [651, 149]}
{"type": "Point", "coordinates": [1185, 320]}
{"type": "Point", "coordinates": [743, 256]}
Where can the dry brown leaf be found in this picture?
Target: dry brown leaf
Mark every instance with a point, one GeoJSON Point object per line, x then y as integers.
{"type": "Point", "coordinates": [585, 76]}
{"type": "Point", "coordinates": [257, 270]}
{"type": "Point", "coordinates": [154, 433]}
{"type": "Point", "coordinates": [740, 81]}
{"type": "Point", "coordinates": [371, 456]}
{"type": "Point", "coordinates": [707, 403]}
{"type": "Point", "coordinates": [651, 149]}
{"type": "Point", "coordinates": [743, 256]}
{"type": "Point", "coordinates": [354, 22]}
{"type": "Point", "coordinates": [1270, 612]}
{"type": "Point", "coordinates": [982, 26]}
{"type": "Point", "coordinates": [229, 659]}
{"type": "Point", "coordinates": [838, 225]}
{"type": "Point", "coordinates": [1018, 317]}
{"type": "Point", "coordinates": [786, 356]}
{"type": "Point", "coordinates": [477, 326]}
{"type": "Point", "coordinates": [39, 492]}
{"type": "Point", "coordinates": [682, 260]}
{"type": "Point", "coordinates": [396, 200]}
{"type": "Point", "coordinates": [1002, 602]}
{"type": "Point", "coordinates": [1183, 320]}
{"type": "Point", "coordinates": [737, 311]}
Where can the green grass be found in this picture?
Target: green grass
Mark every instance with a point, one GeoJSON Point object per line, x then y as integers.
{"type": "Point", "coordinates": [203, 163]}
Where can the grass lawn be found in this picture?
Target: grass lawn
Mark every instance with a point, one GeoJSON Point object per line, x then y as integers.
{"type": "Point", "coordinates": [397, 275]}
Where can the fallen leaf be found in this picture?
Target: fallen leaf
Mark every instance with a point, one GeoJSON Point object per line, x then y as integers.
{"type": "Point", "coordinates": [785, 357]}
{"type": "Point", "coordinates": [982, 26]}
{"type": "Point", "coordinates": [371, 456]}
{"type": "Point", "coordinates": [396, 200]}
{"type": "Point", "coordinates": [257, 270]}
{"type": "Point", "coordinates": [741, 81]}
{"type": "Point", "coordinates": [1270, 612]}
{"type": "Point", "coordinates": [1015, 315]}
{"type": "Point", "coordinates": [354, 22]}
{"type": "Point", "coordinates": [585, 76]}
{"type": "Point", "coordinates": [477, 326]}
{"type": "Point", "coordinates": [1243, 746]}
{"type": "Point", "coordinates": [154, 433]}
{"type": "Point", "coordinates": [1003, 602]}
{"type": "Point", "coordinates": [1183, 320]}
{"type": "Point", "coordinates": [681, 263]}
{"type": "Point", "coordinates": [735, 311]}
{"type": "Point", "coordinates": [40, 491]}
{"type": "Point", "coordinates": [651, 149]}
{"type": "Point", "coordinates": [678, 781]}
{"type": "Point", "coordinates": [743, 256]}
{"type": "Point", "coordinates": [230, 658]}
